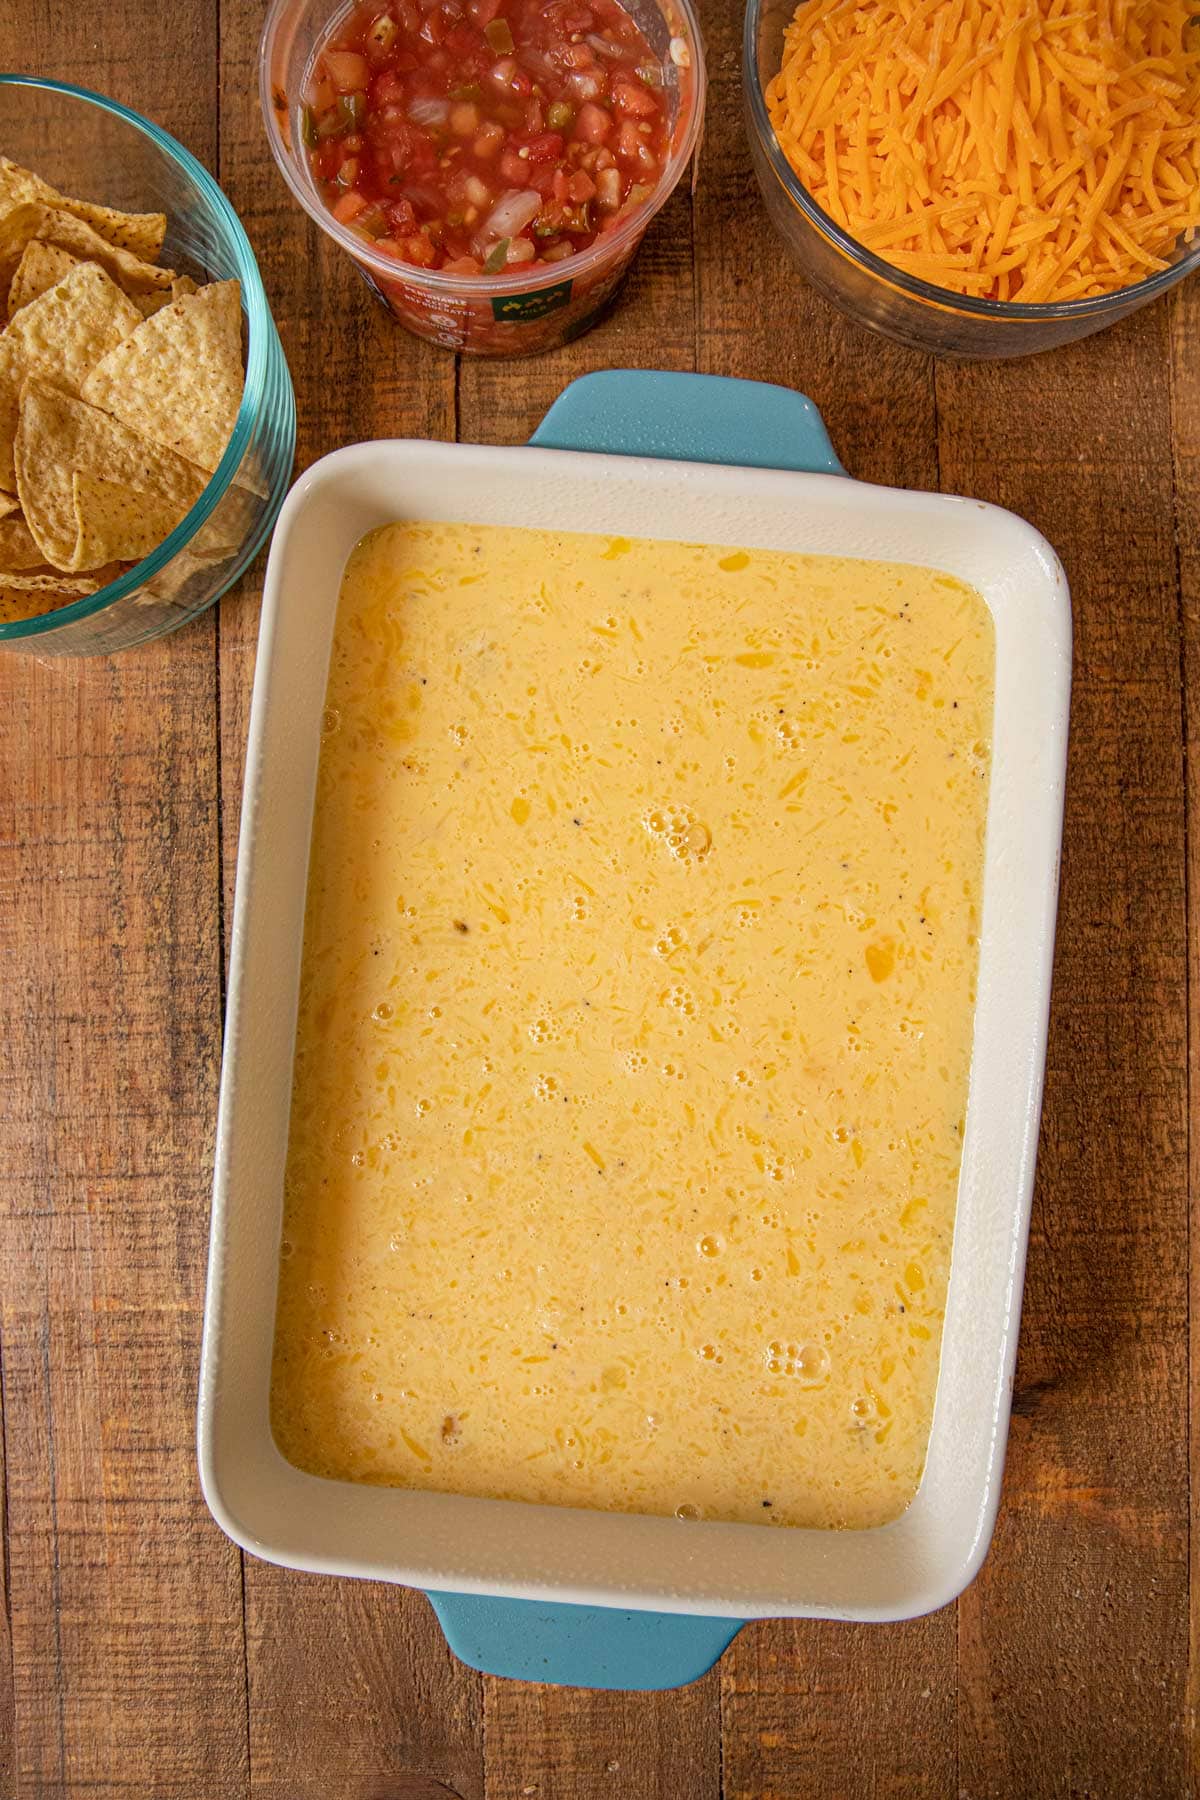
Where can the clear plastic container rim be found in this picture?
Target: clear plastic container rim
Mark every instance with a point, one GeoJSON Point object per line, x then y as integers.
{"type": "Point", "coordinates": [946, 299]}
{"type": "Point", "coordinates": [508, 281]}
{"type": "Point", "coordinates": [260, 332]}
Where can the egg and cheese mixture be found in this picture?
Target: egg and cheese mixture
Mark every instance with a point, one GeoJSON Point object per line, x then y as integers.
{"type": "Point", "coordinates": [635, 1025]}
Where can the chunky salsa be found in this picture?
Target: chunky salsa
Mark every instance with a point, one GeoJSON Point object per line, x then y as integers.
{"type": "Point", "coordinates": [474, 136]}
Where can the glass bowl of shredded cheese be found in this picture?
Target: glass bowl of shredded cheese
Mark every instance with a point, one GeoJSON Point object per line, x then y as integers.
{"type": "Point", "coordinates": [980, 177]}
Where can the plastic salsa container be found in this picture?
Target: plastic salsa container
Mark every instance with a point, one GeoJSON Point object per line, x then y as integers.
{"type": "Point", "coordinates": [507, 310]}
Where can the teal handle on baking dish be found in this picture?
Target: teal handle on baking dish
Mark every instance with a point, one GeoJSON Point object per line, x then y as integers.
{"type": "Point", "coordinates": [690, 418]}
{"type": "Point", "coordinates": [682, 418]}
{"type": "Point", "coordinates": [581, 1646]}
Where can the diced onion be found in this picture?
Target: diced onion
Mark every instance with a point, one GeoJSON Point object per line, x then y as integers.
{"type": "Point", "coordinates": [681, 56]}
{"type": "Point", "coordinates": [605, 47]}
{"type": "Point", "coordinates": [513, 211]}
{"type": "Point", "coordinates": [429, 111]}
{"type": "Point", "coordinates": [585, 84]}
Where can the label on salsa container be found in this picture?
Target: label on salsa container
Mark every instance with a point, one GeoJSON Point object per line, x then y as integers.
{"type": "Point", "coordinates": [531, 306]}
{"type": "Point", "coordinates": [489, 136]}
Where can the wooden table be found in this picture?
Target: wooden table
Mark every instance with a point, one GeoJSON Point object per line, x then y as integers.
{"type": "Point", "coordinates": [147, 1657]}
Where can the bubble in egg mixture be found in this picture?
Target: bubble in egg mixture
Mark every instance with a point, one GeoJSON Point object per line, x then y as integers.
{"type": "Point", "coordinates": [808, 1363]}
{"type": "Point", "coordinates": [679, 830]}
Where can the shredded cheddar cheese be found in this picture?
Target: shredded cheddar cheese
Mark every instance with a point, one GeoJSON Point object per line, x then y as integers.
{"type": "Point", "coordinates": [1031, 150]}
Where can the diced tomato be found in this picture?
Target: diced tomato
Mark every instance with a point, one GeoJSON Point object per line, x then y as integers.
{"type": "Point", "coordinates": [593, 124]}
{"type": "Point", "coordinates": [349, 71]}
{"type": "Point", "coordinates": [387, 89]}
{"type": "Point", "coordinates": [546, 147]}
{"type": "Point", "coordinates": [581, 186]}
{"type": "Point", "coordinates": [401, 217]}
{"type": "Point", "coordinates": [562, 186]}
{"type": "Point", "coordinates": [629, 141]}
{"type": "Point", "coordinates": [347, 207]}
{"type": "Point", "coordinates": [514, 168]}
{"type": "Point", "coordinates": [483, 11]}
{"type": "Point", "coordinates": [632, 97]}
{"type": "Point", "coordinates": [419, 249]}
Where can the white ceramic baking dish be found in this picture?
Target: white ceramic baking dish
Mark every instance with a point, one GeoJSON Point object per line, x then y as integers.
{"type": "Point", "coordinates": [624, 1600]}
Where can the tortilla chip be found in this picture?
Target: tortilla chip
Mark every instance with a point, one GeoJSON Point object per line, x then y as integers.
{"type": "Point", "coordinates": [10, 393]}
{"type": "Point", "coordinates": [58, 434]}
{"type": "Point", "coordinates": [18, 227]}
{"type": "Point", "coordinates": [8, 504]}
{"type": "Point", "coordinates": [142, 233]}
{"type": "Point", "coordinates": [117, 524]}
{"type": "Point", "coordinates": [17, 547]}
{"type": "Point", "coordinates": [49, 584]}
{"type": "Point", "coordinates": [30, 220]}
{"type": "Point", "coordinates": [26, 602]}
{"type": "Point", "coordinates": [42, 266]}
{"type": "Point", "coordinates": [178, 378]}
{"type": "Point", "coordinates": [66, 331]}
{"type": "Point", "coordinates": [149, 304]}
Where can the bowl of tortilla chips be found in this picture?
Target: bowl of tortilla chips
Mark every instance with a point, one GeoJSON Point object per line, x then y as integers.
{"type": "Point", "coordinates": [147, 423]}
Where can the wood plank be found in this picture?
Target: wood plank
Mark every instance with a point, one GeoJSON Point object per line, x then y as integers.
{"type": "Point", "coordinates": [125, 1605]}
{"type": "Point", "coordinates": [8, 1744]}
{"type": "Point", "coordinates": [1185, 417]}
{"type": "Point", "coordinates": [816, 1708]}
{"type": "Point", "coordinates": [353, 1692]}
{"type": "Point", "coordinates": [125, 1602]}
{"type": "Point", "coordinates": [1073, 1648]}
{"type": "Point", "coordinates": [551, 1743]}
{"type": "Point", "coordinates": [809, 1708]}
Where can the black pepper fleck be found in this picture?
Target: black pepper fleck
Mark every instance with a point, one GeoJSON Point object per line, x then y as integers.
{"type": "Point", "coordinates": [461, 925]}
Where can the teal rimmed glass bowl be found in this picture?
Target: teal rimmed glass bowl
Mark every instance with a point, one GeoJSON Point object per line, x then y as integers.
{"type": "Point", "coordinates": [92, 147]}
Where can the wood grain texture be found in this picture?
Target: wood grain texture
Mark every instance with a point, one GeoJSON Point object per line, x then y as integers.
{"type": "Point", "coordinates": [551, 1743]}
{"type": "Point", "coordinates": [125, 1606]}
{"type": "Point", "coordinates": [1184, 326]}
{"type": "Point", "coordinates": [1073, 1640]}
{"type": "Point", "coordinates": [136, 1656]}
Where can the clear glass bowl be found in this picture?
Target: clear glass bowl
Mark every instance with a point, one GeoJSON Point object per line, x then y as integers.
{"type": "Point", "coordinates": [93, 148]}
{"type": "Point", "coordinates": [869, 289]}
{"type": "Point", "coordinates": [484, 315]}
